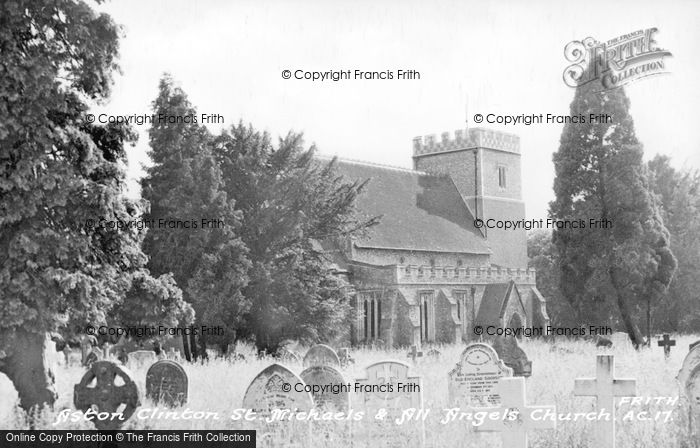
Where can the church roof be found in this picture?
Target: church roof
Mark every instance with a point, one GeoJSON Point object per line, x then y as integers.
{"type": "Point", "coordinates": [419, 211]}
{"type": "Point", "coordinates": [492, 303]}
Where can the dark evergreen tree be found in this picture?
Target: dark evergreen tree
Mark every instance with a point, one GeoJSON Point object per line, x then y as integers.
{"type": "Point", "coordinates": [60, 177]}
{"type": "Point", "coordinates": [679, 194]}
{"type": "Point", "coordinates": [206, 258]}
{"type": "Point", "coordinates": [291, 203]}
{"type": "Point", "coordinates": [600, 175]}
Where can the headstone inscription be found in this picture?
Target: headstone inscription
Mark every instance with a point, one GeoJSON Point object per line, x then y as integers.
{"type": "Point", "coordinates": [605, 387]}
{"type": "Point", "coordinates": [667, 343]}
{"type": "Point", "coordinates": [274, 389]}
{"type": "Point", "coordinates": [512, 355]}
{"type": "Point", "coordinates": [389, 388]}
{"type": "Point", "coordinates": [166, 383]}
{"type": "Point", "coordinates": [474, 379]}
{"type": "Point", "coordinates": [321, 355]}
{"type": "Point", "coordinates": [513, 402]}
{"type": "Point", "coordinates": [333, 392]}
{"type": "Point", "coordinates": [98, 390]}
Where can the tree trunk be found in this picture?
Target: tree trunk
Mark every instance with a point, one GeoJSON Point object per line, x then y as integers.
{"type": "Point", "coordinates": [626, 312]}
{"type": "Point", "coordinates": [27, 365]}
{"type": "Point", "coordinates": [186, 347]}
{"type": "Point", "coordinates": [193, 345]}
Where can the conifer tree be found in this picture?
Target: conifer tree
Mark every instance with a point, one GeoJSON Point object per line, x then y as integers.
{"type": "Point", "coordinates": [600, 175]}
{"type": "Point", "coordinates": [205, 255]}
{"type": "Point", "coordinates": [64, 263]}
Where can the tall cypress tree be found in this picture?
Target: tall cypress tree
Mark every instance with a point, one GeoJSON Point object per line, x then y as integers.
{"type": "Point", "coordinates": [184, 184]}
{"type": "Point", "coordinates": [600, 175]}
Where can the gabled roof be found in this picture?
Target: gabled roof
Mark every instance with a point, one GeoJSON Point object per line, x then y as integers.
{"type": "Point", "coordinates": [495, 301]}
{"type": "Point", "coordinates": [419, 211]}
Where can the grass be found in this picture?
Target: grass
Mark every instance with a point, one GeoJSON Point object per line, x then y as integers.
{"type": "Point", "coordinates": [219, 385]}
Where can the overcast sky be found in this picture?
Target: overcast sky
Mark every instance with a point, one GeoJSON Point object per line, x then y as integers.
{"type": "Point", "coordinates": [503, 57]}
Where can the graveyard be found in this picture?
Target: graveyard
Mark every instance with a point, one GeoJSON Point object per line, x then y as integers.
{"type": "Point", "coordinates": [567, 378]}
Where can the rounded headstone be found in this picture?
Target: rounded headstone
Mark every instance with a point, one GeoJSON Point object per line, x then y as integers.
{"type": "Point", "coordinates": [321, 355]}
{"type": "Point", "coordinates": [474, 380]}
{"type": "Point", "coordinates": [689, 379]}
{"type": "Point", "coordinates": [166, 383]}
{"type": "Point", "coordinates": [329, 378]}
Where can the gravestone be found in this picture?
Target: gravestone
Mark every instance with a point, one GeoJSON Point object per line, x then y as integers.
{"type": "Point", "coordinates": [513, 356]}
{"type": "Point", "coordinates": [667, 343]}
{"type": "Point", "coordinates": [474, 379]}
{"type": "Point", "coordinates": [414, 353]}
{"type": "Point", "coordinates": [321, 355]}
{"type": "Point", "coordinates": [433, 354]}
{"type": "Point", "coordinates": [166, 383]}
{"type": "Point", "coordinates": [514, 403]}
{"type": "Point", "coordinates": [107, 387]}
{"type": "Point", "coordinates": [274, 388]}
{"type": "Point", "coordinates": [689, 381]}
{"type": "Point", "coordinates": [605, 387]}
{"type": "Point", "coordinates": [389, 387]}
{"type": "Point", "coordinates": [328, 377]}
{"type": "Point", "coordinates": [142, 358]}
{"type": "Point", "coordinates": [94, 354]}
{"type": "Point", "coordinates": [345, 358]}
{"type": "Point", "coordinates": [287, 355]}
{"type": "Point", "coordinates": [620, 339]}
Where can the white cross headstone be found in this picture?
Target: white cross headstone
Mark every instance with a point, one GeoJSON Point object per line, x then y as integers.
{"type": "Point", "coordinates": [517, 417]}
{"type": "Point", "coordinates": [605, 387]}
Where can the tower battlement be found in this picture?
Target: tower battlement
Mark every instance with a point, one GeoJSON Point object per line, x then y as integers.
{"type": "Point", "coordinates": [463, 138]}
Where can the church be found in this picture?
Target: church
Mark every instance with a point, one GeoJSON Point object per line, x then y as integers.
{"type": "Point", "coordinates": [430, 272]}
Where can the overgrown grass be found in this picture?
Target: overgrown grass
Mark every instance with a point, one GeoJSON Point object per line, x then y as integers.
{"type": "Point", "coordinates": [218, 386]}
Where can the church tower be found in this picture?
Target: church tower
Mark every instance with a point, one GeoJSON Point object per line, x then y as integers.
{"type": "Point", "coordinates": [485, 167]}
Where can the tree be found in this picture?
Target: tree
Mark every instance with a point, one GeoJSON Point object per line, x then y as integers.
{"type": "Point", "coordinates": [60, 177]}
{"type": "Point", "coordinates": [290, 203]}
{"type": "Point", "coordinates": [600, 176]}
{"type": "Point", "coordinates": [542, 256]}
{"type": "Point", "coordinates": [679, 196]}
{"type": "Point", "coordinates": [206, 258]}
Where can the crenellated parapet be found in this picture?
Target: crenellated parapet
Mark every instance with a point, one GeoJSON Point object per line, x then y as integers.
{"type": "Point", "coordinates": [463, 139]}
{"type": "Point", "coordinates": [460, 274]}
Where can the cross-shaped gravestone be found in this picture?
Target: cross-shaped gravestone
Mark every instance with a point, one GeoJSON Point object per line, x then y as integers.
{"type": "Point", "coordinates": [605, 387]}
{"type": "Point", "coordinates": [667, 343]}
{"type": "Point", "coordinates": [414, 353]}
{"type": "Point", "coordinates": [517, 417]}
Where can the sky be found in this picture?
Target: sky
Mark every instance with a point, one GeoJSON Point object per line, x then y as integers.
{"type": "Point", "coordinates": [500, 57]}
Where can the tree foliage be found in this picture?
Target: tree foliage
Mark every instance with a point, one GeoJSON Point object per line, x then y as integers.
{"type": "Point", "coordinates": [185, 185]}
{"type": "Point", "coordinates": [60, 177]}
{"type": "Point", "coordinates": [58, 172]}
{"type": "Point", "coordinates": [290, 203]}
{"type": "Point", "coordinates": [679, 195]}
{"type": "Point", "coordinates": [600, 175]}
{"type": "Point", "coordinates": [264, 276]}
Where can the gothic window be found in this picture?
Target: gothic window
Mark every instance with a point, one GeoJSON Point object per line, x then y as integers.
{"type": "Point", "coordinates": [426, 307]}
{"type": "Point", "coordinates": [502, 177]}
{"type": "Point", "coordinates": [371, 321]}
{"type": "Point", "coordinates": [461, 299]}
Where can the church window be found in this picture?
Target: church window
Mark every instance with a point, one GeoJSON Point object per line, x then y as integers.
{"type": "Point", "coordinates": [502, 177]}
{"type": "Point", "coordinates": [372, 306]}
{"type": "Point", "coordinates": [461, 299]}
{"type": "Point", "coordinates": [426, 306]}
